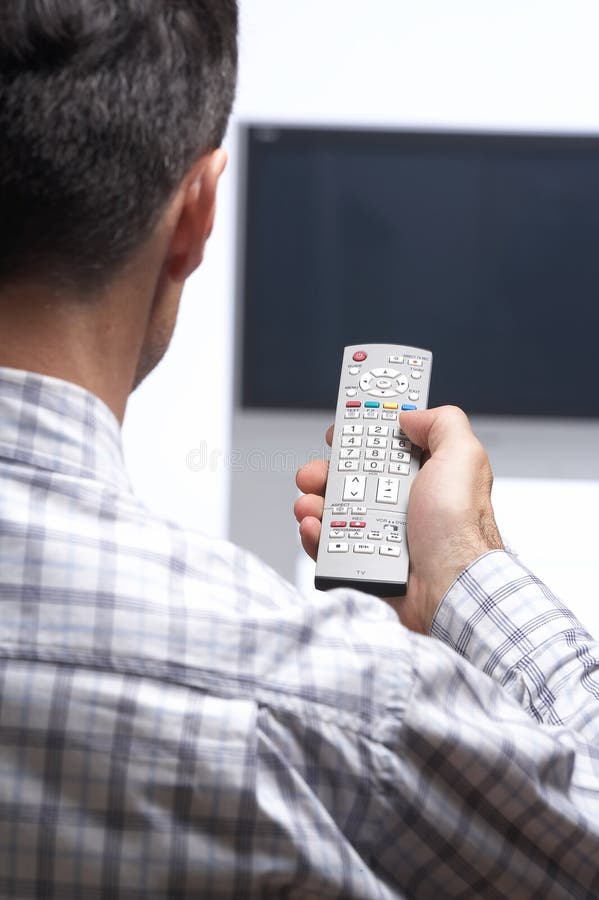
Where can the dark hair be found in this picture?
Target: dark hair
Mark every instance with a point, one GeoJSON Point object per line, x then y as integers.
{"type": "Point", "coordinates": [104, 105]}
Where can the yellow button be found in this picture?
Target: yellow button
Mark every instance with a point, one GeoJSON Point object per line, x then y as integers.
{"type": "Point", "coordinates": [390, 405]}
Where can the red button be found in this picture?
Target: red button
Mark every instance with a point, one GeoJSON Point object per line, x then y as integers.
{"type": "Point", "coordinates": [340, 524]}
{"type": "Point", "coordinates": [360, 356]}
{"type": "Point", "coordinates": [353, 404]}
{"type": "Point", "coordinates": [357, 524]}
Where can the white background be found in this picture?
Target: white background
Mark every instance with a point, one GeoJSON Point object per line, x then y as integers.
{"type": "Point", "coordinates": [528, 64]}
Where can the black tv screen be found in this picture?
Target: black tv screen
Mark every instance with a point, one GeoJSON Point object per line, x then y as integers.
{"type": "Point", "coordinates": [483, 248]}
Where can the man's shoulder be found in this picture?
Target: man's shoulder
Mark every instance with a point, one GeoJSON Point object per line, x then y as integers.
{"type": "Point", "coordinates": [340, 654]}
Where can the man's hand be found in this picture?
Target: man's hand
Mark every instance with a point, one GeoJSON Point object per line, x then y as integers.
{"type": "Point", "coordinates": [450, 517]}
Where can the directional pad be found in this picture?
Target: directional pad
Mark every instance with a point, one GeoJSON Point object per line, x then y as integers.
{"type": "Point", "coordinates": [384, 383]}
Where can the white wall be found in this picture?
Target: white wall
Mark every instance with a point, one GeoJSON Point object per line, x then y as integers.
{"type": "Point", "coordinates": [514, 63]}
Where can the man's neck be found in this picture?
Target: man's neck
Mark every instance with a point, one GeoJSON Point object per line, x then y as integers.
{"type": "Point", "coordinates": [85, 341]}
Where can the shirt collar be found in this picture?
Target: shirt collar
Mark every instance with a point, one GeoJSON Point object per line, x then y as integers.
{"type": "Point", "coordinates": [54, 424]}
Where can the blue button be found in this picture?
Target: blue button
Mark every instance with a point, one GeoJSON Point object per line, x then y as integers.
{"type": "Point", "coordinates": [408, 407]}
{"type": "Point", "coordinates": [372, 404]}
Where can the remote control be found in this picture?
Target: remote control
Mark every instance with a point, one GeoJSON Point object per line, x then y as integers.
{"type": "Point", "coordinates": [363, 542]}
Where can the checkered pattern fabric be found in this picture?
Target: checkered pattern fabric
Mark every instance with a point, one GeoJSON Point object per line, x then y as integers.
{"type": "Point", "coordinates": [176, 721]}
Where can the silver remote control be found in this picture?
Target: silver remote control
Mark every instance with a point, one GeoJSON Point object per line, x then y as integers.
{"type": "Point", "coordinates": [363, 540]}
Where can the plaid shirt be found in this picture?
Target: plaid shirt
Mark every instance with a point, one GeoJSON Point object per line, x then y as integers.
{"type": "Point", "coordinates": [176, 721]}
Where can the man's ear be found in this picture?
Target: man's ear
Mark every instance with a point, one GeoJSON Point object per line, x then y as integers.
{"type": "Point", "coordinates": [195, 210]}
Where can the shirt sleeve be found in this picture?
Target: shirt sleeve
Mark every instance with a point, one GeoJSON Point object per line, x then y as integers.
{"type": "Point", "coordinates": [507, 623]}
{"type": "Point", "coordinates": [479, 800]}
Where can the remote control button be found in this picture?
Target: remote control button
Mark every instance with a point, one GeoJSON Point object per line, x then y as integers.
{"type": "Point", "coordinates": [399, 468]}
{"type": "Point", "coordinates": [353, 404]}
{"type": "Point", "coordinates": [351, 392]}
{"type": "Point", "coordinates": [354, 370]}
{"type": "Point", "coordinates": [357, 524]}
{"type": "Point", "coordinates": [336, 533]}
{"type": "Point", "coordinates": [376, 442]}
{"type": "Point", "coordinates": [349, 453]}
{"type": "Point", "coordinates": [394, 538]}
{"type": "Point", "coordinates": [372, 404]}
{"type": "Point", "coordinates": [389, 416]}
{"type": "Point", "coordinates": [376, 454]}
{"type": "Point", "coordinates": [385, 373]}
{"type": "Point", "coordinates": [387, 490]}
{"type": "Point", "coordinates": [402, 384]}
{"type": "Point", "coordinates": [389, 550]}
{"type": "Point", "coordinates": [384, 383]}
{"type": "Point", "coordinates": [359, 510]}
{"type": "Point", "coordinates": [416, 375]}
{"type": "Point", "coordinates": [339, 548]}
{"type": "Point", "coordinates": [371, 414]}
{"type": "Point", "coordinates": [401, 443]}
{"type": "Point", "coordinates": [355, 534]}
{"type": "Point", "coordinates": [415, 362]}
{"type": "Point", "coordinates": [396, 359]}
{"type": "Point", "coordinates": [360, 356]}
{"type": "Point", "coordinates": [366, 382]}
{"type": "Point", "coordinates": [400, 456]}
{"type": "Point", "coordinates": [339, 510]}
{"type": "Point", "coordinates": [348, 465]}
{"type": "Point", "coordinates": [352, 413]}
{"type": "Point", "coordinates": [414, 395]}
{"type": "Point", "coordinates": [339, 523]}
{"type": "Point", "coordinates": [352, 440]}
{"type": "Point", "coordinates": [363, 548]}
{"type": "Point", "coordinates": [407, 407]}
{"type": "Point", "coordinates": [354, 487]}
{"type": "Point", "coordinates": [375, 535]}
{"type": "Point", "coordinates": [390, 405]}
{"type": "Point", "coordinates": [381, 430]}
{"type": "Point", "coordinates": [392, 527]}
{"type": "Point", "coordinates": [379, 392]}
{"type": "Point", "coordinates": [353, 429]}
{"type": "Point", "coordinates": [372, 465]}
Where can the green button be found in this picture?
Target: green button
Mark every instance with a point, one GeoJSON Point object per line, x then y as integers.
{"type": "Point", "coordinates": [372, 404]}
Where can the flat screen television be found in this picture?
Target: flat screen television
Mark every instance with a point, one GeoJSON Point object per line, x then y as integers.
{"type": "Point", "coordinates": [483, 247]}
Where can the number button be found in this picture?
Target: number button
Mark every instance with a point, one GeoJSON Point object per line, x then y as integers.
{"type": "Point", "coordinates": [376, 454]}
{"type": "Point", "coordinates": [373, 465]}
{"type": "Point", "coordinates": [382, 430]}
{"type": "Point", "coordinates": [353, 429]}
{"type": "Point", "coordinates": [351, 441]}
{"type": "Point", "coordinates": [376, 442]}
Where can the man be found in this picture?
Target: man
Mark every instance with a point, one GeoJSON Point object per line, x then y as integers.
{"type": "Point", "coordinates": [175, 721]}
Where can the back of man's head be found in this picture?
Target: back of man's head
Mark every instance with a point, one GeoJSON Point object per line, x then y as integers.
{"type": "Point", "coordinates": [104, 106]}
